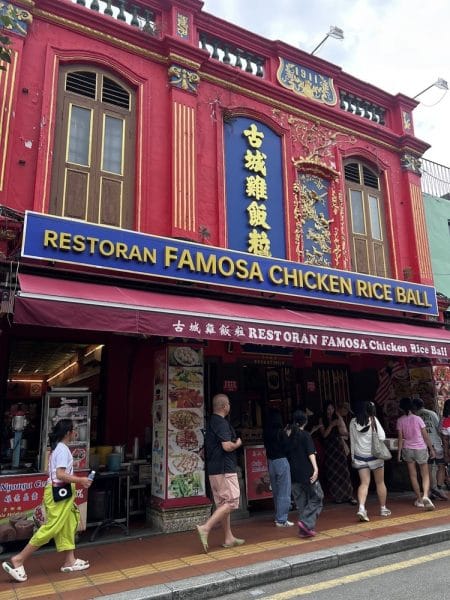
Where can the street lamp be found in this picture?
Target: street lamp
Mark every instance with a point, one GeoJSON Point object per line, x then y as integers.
{"type": "Point", "coordinates": [335, 32]}
{"type": "Point", "coordinates": [440, 84]}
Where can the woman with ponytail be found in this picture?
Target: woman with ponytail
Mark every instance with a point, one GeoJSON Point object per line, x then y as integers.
{"type": "Point", "coordinates": [62, 516]}
{"type": "Point", "coordinates": [364, 462]}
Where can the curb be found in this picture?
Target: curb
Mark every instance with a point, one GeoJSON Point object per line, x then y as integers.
{"type": "Point", "coordinates": [241, 578]}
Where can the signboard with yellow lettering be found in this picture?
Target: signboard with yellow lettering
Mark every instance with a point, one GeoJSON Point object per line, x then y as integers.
{"type": "Point", "coordinates": [57, 239]}
{"type": "Point", "coordinates": [254, 188]}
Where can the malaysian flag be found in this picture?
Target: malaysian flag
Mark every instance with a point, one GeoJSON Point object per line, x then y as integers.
{"type": "Point", "coordinates": [385, 377]}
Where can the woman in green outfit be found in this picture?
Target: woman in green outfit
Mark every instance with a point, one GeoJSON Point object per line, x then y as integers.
{"type": "Point", "coordinates": [62, 516]}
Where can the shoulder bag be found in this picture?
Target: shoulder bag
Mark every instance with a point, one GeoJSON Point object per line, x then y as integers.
{"type": "Point", "coordinates": [59, 492]}
{"type": "Point", "coordinates": [379, 448]}
{"type": "Point", "coordinates": [62, 492]}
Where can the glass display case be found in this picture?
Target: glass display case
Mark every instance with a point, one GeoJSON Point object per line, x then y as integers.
{"type": "Point", "coordinates": [68, 403]}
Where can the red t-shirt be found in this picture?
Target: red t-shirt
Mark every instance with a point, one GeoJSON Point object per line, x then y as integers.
{"type": "Point", "coordinates": [445, 426]}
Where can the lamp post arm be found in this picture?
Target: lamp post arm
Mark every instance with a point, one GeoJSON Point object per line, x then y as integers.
{"type": "Point", "coordinates": [423, 91]}
{"type": "Point", "coordinates": [320, 44]}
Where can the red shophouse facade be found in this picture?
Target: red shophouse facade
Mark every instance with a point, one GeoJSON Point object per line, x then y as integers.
{"type": "Point", "coordinates": [250, 203]}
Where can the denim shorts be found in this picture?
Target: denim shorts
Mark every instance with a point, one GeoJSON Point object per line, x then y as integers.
{"type": "Point", "coordinates": [417, 455]}
{"type": "Point", "coordinates": [369, 462]}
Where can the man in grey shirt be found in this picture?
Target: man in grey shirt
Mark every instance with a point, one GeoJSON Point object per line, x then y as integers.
{"type": "Point", "coordinates": [431, 421]}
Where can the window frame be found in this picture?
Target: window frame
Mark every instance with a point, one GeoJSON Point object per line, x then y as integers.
{"type": "Point", "coordinates": [92, 179]}
{"type": "Point", "coordinates": [376, 250]}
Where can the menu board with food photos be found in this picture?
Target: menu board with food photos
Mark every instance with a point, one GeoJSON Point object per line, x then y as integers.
{"type": "Point", "coordinates": [257, 481]}
{"type": "Point", "coordinates": [74, 404]}
{"type": "Point", "coordinates": [185, 465]}
{"type": "Point", "coordinates": [159, 448]}
{"type": "Point", "coordinates": [441, 375]}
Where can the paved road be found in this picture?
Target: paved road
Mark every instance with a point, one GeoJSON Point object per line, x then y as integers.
{"type": "Point", "coordinates": [412, 575]}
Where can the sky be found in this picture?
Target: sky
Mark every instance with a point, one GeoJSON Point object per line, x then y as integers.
{"type": "Point", "coordinates": [400, 46]}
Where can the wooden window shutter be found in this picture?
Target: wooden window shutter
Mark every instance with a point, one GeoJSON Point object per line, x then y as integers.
{"type": "Point", "coordinates": [367, 223]}
{"type": "Point", "coordinates": [94, 156]}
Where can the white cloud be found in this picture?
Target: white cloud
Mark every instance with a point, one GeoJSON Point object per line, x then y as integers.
{"type": "Point", "coordinates": [396, 45]}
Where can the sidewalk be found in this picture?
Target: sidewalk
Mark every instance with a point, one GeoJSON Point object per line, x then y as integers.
{"type": "Point", "coordinates": [173, 566]}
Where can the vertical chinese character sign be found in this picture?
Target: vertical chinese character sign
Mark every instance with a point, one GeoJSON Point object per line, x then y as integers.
{"type": "Point", "coordinates": [254, 188]}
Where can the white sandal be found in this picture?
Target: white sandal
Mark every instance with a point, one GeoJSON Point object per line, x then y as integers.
{"type": "Point", "coordinates": [78, 565]}
{"type": "Point", "coordinates": [17, 573]}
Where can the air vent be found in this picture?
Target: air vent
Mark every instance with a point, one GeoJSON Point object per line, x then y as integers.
{"type": "Point", "coordinates": [113, 93]}
{"type": "Point", "coordinates": [370, 179]}
{"type": "Point", "coordinates": [83, 83]}
{"type": "Point", "coordinates": [351, 171]}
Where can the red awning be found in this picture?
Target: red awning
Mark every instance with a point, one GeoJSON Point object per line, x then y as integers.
{"type": "Point", "coordinates": [75, 305]}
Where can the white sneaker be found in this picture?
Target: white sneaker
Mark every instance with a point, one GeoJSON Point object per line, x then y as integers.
{"type": "Point", "coordinates": [285, 524]}
{"type": "Point", "coordinates": [427, 503]}
{"type": "Point", "coordinates": [362, 515]}
{"type": "Point", "coordinates": [419, 503]}
{"type": "Point", "coordinates": [385, 512]}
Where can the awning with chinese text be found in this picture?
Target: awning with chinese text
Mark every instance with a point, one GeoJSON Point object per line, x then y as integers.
{"type": "Point", "coordinates": [71, 304]}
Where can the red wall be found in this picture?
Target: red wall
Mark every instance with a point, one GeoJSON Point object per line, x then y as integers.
{"type": "Point", "coordinates": [52, 41]}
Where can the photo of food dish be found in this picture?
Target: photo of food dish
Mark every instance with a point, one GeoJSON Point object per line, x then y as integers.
{"type": "Point", "coordinates": [185, 376]}
{"type": "Point", "coordinates": [79, 458]}
{"type": "Point", "coordinates": [441, 373]}
{"type": "Point", "coordinates": [184, 462]}
{"type": "Point", "coordinates": [185, 419]}
{"type": "Point", "coordinates": [184, 486]}
{"type": "Point", "coordinates": [186, 439]}
{"type": "Point", "coordinates": [186, 356]}
{"type": "Point", "coordinates": [262, 485]}
{"type": "Point", "coordinates": [185, 398]}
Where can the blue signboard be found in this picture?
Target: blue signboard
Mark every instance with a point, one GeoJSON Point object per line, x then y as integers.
{"type": "Point", "coordinates": [70, 241]}
{"type": "Point", "coordinates": [254, 186]}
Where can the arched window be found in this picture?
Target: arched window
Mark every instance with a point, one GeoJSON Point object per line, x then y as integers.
{"type": "Point", "coordinates": [93, 155]}
{"type": "Point", "coordinates": [369, 245]}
